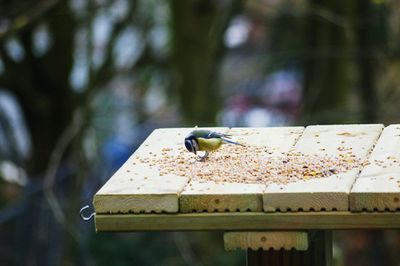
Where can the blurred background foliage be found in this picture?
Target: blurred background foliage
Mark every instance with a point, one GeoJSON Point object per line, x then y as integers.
{"type": "Point", "coordinates": [83, 82]}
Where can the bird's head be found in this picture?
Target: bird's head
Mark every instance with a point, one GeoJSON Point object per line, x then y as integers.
{"type": "Point", "coordinates": [191, 144]}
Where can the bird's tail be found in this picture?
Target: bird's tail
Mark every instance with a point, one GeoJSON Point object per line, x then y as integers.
{"type": "Point", "coordinates": [232, 142]}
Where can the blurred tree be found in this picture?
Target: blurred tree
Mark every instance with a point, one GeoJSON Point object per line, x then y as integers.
{"type": "Point", "coordinates": [56, 56]}
{"type": "Point", "coordinates": [370, 43]}
{"type": "Point", "coordinates": [41, 85]}
{"type": "Point", "coordinates": [198, 28]}
{"type": "Point", "coordinates": [326, 65]}
{"type": "Point", "coordinates": [43, 91]}
{"type": "Point", "coordinates": [315, 38]}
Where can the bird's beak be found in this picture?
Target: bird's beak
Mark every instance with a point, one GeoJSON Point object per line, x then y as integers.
{"type": "Point", "coordinates": [195, 152]}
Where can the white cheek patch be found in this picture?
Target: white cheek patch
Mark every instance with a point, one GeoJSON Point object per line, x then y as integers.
{"type": "Point", "coordinates": [195, 145]}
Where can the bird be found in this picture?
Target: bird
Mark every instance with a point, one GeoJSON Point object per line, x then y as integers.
{"type": "Point", "coordinates": [207, 141]}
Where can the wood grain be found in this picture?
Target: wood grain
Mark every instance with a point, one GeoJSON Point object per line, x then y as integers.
{"type": "Point", "coordinates": [378, 186]}
{"type": "Point", "coordinates": [211, 196]}
{"type": "Point", "coordinates": [266, 240]}
{"type": "Point", "coordinates": [245, 221]}
{"type": "Point", "coordinates": [327, 193]}
{"type": "Point", "coordinates": [230, 196]}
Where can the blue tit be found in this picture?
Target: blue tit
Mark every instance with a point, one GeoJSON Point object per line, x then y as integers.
{"type": "Point", "coordinates": [207, 141]}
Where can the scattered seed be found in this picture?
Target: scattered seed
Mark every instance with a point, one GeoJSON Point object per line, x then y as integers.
{"type": "Point", "coordinates": [252, 164]}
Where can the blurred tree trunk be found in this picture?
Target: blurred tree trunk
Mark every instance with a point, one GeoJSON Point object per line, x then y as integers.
{"type": "Point", "coordinates": [370, 33]}
{"type": "Point", "coordinates": [366, 62]}
{"type": "Point", "coordinates": [44, 92]}
{"type": "Point", "coordinates": [363, 247]}
{"type": "Point", "coordinates": [197, 28]}
{"type": "Point", "coordinates": [42, 87]}
{"type": "Point", "coordinates": [326, 65]}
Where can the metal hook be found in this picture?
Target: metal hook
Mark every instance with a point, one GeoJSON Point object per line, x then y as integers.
{"type": "Point", "coordinates": [82, 215]}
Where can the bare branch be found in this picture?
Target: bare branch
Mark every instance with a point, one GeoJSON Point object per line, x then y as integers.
{"type": "Point", "coordinates": [27, 18]}
{"type": "Point", "coordinates": [54, 164]}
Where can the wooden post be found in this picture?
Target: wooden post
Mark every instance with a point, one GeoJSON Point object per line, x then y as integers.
{"type": "Point", "coordinates": [319, 253]}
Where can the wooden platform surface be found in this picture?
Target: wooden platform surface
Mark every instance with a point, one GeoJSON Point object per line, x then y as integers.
{"type": "Point", "coordinates": [162, 177]}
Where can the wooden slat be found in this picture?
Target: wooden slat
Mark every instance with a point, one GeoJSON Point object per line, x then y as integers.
{"type": "Point", "coordinates": [328, 193]}
{"type": "Point", "coordinates": [212, 196]}
{"type": "Point", "coordinates": [247, 221]}
{"type": "Point", "coordinates": [378, 186]}
{"type": "Point", "coordinates": [138, 185]}
{"type": "Point", "coordinates": [266, 240]}
{"type": "Point", "coordinates": [319, 252]}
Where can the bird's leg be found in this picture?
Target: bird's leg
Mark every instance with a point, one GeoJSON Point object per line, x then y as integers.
{"type": "Point", "coordinates": [204, 157]}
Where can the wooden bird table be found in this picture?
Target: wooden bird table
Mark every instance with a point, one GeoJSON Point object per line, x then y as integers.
{"type": "Point", "coordinates": [279, 196]}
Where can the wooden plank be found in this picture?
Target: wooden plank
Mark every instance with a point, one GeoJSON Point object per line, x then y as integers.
{"type": "Point", "coordinates": [244, 221]}
{"type": "Point", "coordinates": [139, 185]}
{"type": "Point", "coordinates": [378, 186]}
{"type": "Point", "coordinates": [210, 195]}
{"type": "Point", "coordinates": [327, 193]}
{"type": "Point", "coordinates": [266, 240]}
{"type": "Point", "coordinates": [318, 253]}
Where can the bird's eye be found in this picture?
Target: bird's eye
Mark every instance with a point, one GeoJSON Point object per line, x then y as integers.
{"type": "Point", "coordinates": [188, 145]}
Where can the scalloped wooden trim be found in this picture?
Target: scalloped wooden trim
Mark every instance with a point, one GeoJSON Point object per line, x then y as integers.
{"type": "Point", "coordinates": [266, 240]}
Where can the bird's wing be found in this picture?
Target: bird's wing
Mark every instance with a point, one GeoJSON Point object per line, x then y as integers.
{"type": "Point", "coordinates": [214, 134]}
{"type": "Point", "coordinates": [208, 134]}
{"type": "Point", "coordinates": [232, 142]}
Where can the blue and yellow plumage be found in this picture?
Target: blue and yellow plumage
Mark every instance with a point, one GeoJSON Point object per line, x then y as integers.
{"type": "Point", "coordinates": [207, 141]}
